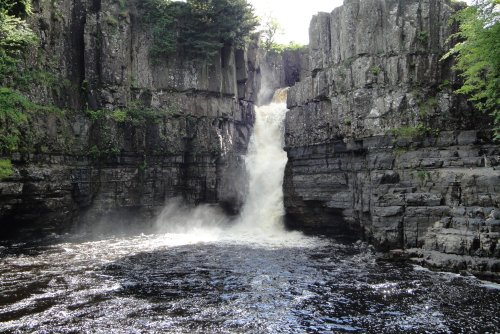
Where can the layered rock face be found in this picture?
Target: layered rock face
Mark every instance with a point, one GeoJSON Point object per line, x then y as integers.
{"type": "Point", "coordinates": [86, 166]}
{"type": "Point", "coordinates": [377, 141]}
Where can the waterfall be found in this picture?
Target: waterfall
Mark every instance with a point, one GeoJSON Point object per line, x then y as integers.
{"type": "Point", "coordinates": [265, 165]}
{"type": "Point", "coordinates": [263, 210]}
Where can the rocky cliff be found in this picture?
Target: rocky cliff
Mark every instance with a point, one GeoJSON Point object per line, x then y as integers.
{"type": "Point", "coordinates": [377, 141]}
{"type": "Point", "coordinates": [137, 130]}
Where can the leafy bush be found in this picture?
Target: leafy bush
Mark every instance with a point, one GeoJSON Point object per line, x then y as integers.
{"type": "Point", "coordinates": [281, 48]}
{"type": "Point", "coordinates": [477, 56]}
{"type": "Point", "coordinates": [15, 34]}
{"type": "Point", "coordinates": [375, 70]}
{"type": "Point", "coordinates": [422, 37]}
{"type": "Point", "coordinates": [409, 132]}
{"type": "Point", "coordinates": [14, 114]}
{"type": "Point", "coordinates": [197, 28]}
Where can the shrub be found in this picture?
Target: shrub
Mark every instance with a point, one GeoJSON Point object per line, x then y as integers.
{"type": "Point", "coordinates": [14, 113]}
{"type": "Point", "coordinates": [409, 132]}
{"type": "Point", "coordinates": [375, 70]}
{"type": "Point", "coordinates": [423, 37]}
{"type": "Point", "coordinates": [281, 48]}
{"type": "Point", "coordinates": [5, 168]}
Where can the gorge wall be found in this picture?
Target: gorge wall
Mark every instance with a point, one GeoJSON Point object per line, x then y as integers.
{"type": "Point", "coordinates": [136, 131]}
{"type": "Point", "coordinates": [378, 142]}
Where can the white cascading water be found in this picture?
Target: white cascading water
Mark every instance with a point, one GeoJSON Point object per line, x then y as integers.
{"type": "Point", "coordinates": [265, 164]}
{"type": "Point", "coordinates": [261, 218]}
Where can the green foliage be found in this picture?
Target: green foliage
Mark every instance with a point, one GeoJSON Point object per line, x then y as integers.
{"type": "Point", "coordinates": [428, 105]}
{"type": "Point", "coordinates": [108, 149]}
{"type": "Point", "coordinates": [5, 168]}
{"type": "Point", "coordinates": [281, 48]}
{"type": "Point", "coordinates": [135, 113]}
{"type": "Point", "coordinates": [15, 109]}
{"type": "Point", "coordinates": [17, 8]}
{"type": "Point", "coordinates": [122, 4]}
{"type": "Point", "coordinates": [94, 152]}
{"type": "Point", "coordinates": [15, 35]}
{"type": "Point", "coordinates": [478, 58]}
{"type": "Point", "coordinates": [445, 84]}
{"type": "Point", "coordinates": [142, 167]}
{"type": "Point", "coordinates": [375, 70]}
{"type": "Point", "coordinates": [111, 20]}
{"type": "Point", "coordinates": [15, 39]}
{"type": "Point", "coordinates": [119, 116]}
{"type": "Point", "coordinates": [422, 175]}
{"type": "Point", "coordinates": [409, 132]}
{"type": "Point", "coordinates": [12, 116]}
{"type": "Point", "coordinates": [423, 37]}
{"type": "Point", "coordinates": [197, 28]}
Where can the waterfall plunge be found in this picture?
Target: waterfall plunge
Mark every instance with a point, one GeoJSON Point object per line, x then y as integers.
{"type": "Point", "coordinates": [263, 210]}
{"type": "Point", "coordinates": [265, 164]}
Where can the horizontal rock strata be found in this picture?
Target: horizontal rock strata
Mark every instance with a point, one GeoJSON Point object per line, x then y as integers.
{"type": "Point", "coordinates": [377, 141]}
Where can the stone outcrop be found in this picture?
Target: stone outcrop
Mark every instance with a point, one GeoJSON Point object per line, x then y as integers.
{"type": "Point", "coordinates": [377, 141]}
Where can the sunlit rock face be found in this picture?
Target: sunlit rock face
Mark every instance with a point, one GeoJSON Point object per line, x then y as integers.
{"type": "Point", "coordinates": [378, 142]}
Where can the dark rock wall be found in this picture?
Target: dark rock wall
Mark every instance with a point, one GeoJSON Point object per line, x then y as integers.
{"type": "Point", "coordinates": [378, 143]}
{"type": "Point", "coordinates": [277, 70]}
{"type": "Point", "coordinates": [80, 169]}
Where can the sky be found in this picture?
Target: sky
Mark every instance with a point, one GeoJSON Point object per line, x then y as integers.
{"type": "Point", "coordinates": [293, 15]}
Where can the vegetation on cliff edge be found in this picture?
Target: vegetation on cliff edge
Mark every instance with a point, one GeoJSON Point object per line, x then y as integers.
{"type": "Point", "coordinates": [15, 34]}
{"type": "Point", "coordinates": [16, 108]}
{"type": "Point", "coordinates": [197, 28]}
{"type": "Point", "coordinates": [478, 58]}
{"type": "Point", "coordinates": [270, 29]}
{"type": "Point", "coordinates": [5, 168]}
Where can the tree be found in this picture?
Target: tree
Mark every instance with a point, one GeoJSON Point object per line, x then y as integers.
{"type": "Point", "coordinates": [15, 34]}
{"type": "Point", "coordinates": [477, 56]}
{"type": "Point", "coordinates": [271, 28]}
{"type": "Point", "coordinates": [198, 28]}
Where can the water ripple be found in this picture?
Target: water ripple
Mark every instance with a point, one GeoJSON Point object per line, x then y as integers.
{"type": "Point", "coordinates": [177, 283]}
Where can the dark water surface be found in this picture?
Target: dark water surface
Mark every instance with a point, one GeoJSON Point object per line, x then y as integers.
{"type": "Point", "coordinates": [205, 284]}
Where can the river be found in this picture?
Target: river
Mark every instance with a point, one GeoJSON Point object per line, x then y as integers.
{"type": "Point", "coordinates": [199, 272]}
